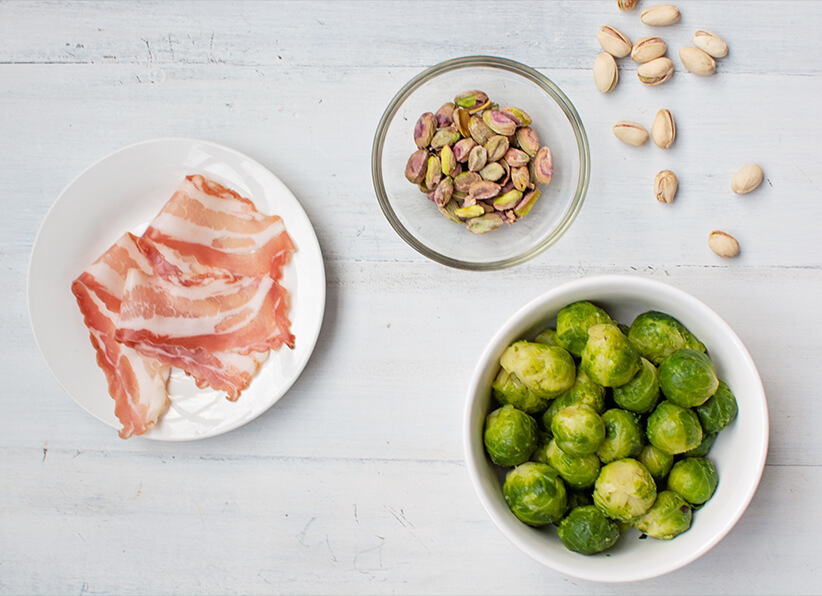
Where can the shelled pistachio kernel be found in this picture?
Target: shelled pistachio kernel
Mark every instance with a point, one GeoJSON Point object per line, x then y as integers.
{"type": "Point", "coordinates": [614, 41]}
{"type": "Point", "coordinates": [710, 43]}
{"type": "Point", "coordinates": [697, 61]}
{"type": "Point", "coordinates": [630, 133]}
{"type": "Point", "coordinates": [723, 244]}
{"type": "Point", "coordinates": [606, 74]}
{"type": "Point", "coordinates": [663, 131]}
{"type": "Point", "coordinates": [665, 186]}
{"type": "Point", "coordinates": [660, 15]}
{"type": "Point", "coordinates": [747, 179]}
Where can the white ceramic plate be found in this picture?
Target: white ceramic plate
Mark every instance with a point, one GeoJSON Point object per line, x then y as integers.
{"type": "Point", "coordinates": [123, 192]}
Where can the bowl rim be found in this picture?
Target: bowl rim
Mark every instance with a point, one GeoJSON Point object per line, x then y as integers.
{"type": "Point", "coordinates": [636, 283]}
{"type": "Point", "coordinates": [551, 88]}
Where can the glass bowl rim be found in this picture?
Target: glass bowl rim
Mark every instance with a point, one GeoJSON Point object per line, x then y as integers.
{"type": "Point", "coordinates": [524, 71]}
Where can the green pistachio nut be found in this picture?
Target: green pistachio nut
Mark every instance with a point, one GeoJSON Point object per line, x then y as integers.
{"type": "Point", "coordinates": [507, 200]}
{"type": "Point", "coordinates": [461, 119]}
{"type": "Point", "coordinates": [517, 158]}
{"type": "Point", "coordinates": [527, 202]}
{"type": "Point", "coordinates": [443, 192]}
{"type": "Point", "coordinates": [499, 122]}
{"type": "Point", "coordinates": [477, 158]}
{"type": "Point", "coordinates": [449, 211]}
{"type": "Point", "coordinates": [528, 140]}
{"type": "Point", "coordinates": [464, 181]}
{"type": "Point", "coordinates": [543, 166]}
{"type": "Point", "coordinates": [448, 161]}
{"type": "Point", "coordinates": [444, 115]}
{"type": "Point", "coordinates": [424, 130]}
{"type": "Point", "coordinates": [417, 166]}
{"type": "Point", "coordinates": [484, 223]}
{"type": "Point", "coordinates": [492, 171]}
{"type": "Point", "coordinates": [521, 178]}
{"type": "Point", "coordinates": [484, 190]}
{"type": "Point", "coordinates": [445, 136]}
{"type": "Point", "coordinates": [479, 130]}
{"type": "Point", "coordinates": [470, 211]}
{"type": "Point", "coordinates": [520, 117]}
{"type": "Point", "coordinates": [471, 99]}
{"type": "Point", "coordinates": [462, 149]}
{"type": "Point", "coordinates": [433, 174]}
{"type": "Point", "coordinates": [496, 147]}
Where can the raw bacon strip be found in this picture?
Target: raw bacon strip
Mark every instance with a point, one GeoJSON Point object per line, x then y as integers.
{"type": "Point", "coordinates": [215, 227]}
{"type": "Point", "coordinates": [205, 328]}
{"type": "Point", "coordinates": [137, 383]}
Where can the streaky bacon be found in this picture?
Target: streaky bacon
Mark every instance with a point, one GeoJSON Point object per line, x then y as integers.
{"type": "Point", "coordinates": [207, 226]}
{"type": "Point", "coordinates": [136, 383]}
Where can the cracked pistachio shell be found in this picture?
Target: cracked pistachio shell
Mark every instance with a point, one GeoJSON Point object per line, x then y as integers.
{"type": "Point", "coordinates": [723, 244]}
{"type": "Point", "coordinates": [444, 115]}
{"type": "Point", "coordinates": [443, 137]}
{"type": "Point", "coordinates": [655, 71]}
{"type": "Point", "coordinates": [665, 186]}
{"type": "Point", "coordinates": [697, 61]}
{"type": "Point", "coordinates": [626, 4]}
{"type": "Point", "coordinates": [663, 131]}
{"type": "Point", "coordinates": [631, 133]}
{"type": "Point", "coordinates": [496, 147]}
{"type": "Point", "coordinates": [477, 158]}
{"type": "Point", "coordinates": [416, 167]}
{"type": "Point", "coordinates": [710, 43]}
{"type": "Point", "coordinates": [606, 73]}
{"type": "Point", "coordinates": [448, 211]}
{"type": "Point", "coordinates": [433, 174]}
{"type": "Point", "coordinates": [470, 99]}
{"type": "Point", "coordinates": [464, 181]}
{"type": "Point", "coordinates": [521, 178]}
{"type": "Point", "coordinates": [648, 48]}
{"type": "Point", "coordinates": [479, 130]}
{"type": "Point", "coordinates": [461, 119]}
{"type": "Point", "coordinates": [424, 130]}
{"type": "Point", "coordinates": [527, 202]}
{"type": "Point", "coordinates": [492, 171]}
{"type": "Point", "coordinates": [462, 149]}
{"type": "Point", "coordinates": [614, 41]}
{"type": "Point", "coordinates": [484, 223]}
{"type": "Point", "coordinates": [520, 117]}
{"type": "Point", "coordinates": [470, 211]}
{"type": "Point", "coordinates": [543, 167]}
{"type": "Point", "coordinates": [445, 189]}
{"type": "Point", "coordinates": [499, 122]}
{"type": "Point", "coordinates": [516, 158]}
{"type": "Point", "coordinates": [508, 200]}
{"type": "Point", "coordinates": [660, 15]}
{"type": "Point", "coordinates": [528, 140]}
{"type": "Point", "coordinates": [483, 190]}
{"type": "Point", "coordinates": [447, 161]}
{"type": "Point", "coordinates": [747, 179]}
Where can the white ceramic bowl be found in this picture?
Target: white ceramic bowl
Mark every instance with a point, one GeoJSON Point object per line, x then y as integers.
{"type": "Point", "coordinates": [738, 453]}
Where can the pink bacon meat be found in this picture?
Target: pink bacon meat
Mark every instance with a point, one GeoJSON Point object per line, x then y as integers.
{"type": "Point", "coordinates": [136, 382]}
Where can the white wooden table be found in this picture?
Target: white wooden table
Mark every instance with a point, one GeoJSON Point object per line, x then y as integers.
{"type": "Point", "coordinates": [355, 482]}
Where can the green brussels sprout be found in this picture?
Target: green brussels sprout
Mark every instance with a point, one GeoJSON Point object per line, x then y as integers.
{"type": "Point", "coordinates": [510, 436]}
{"type": "Point", "coordinates": [508, 389]}
{"type": "Point", "coordinates": [573, 322]}
{"type": "Point", "coordinates": [578, 471]}
{"type": "Point", "coordinates": [578, 498]}
{"type": "Point", "coordinates": [688, 378]}
{"type": "Point", "coordinates": [547, 337]}
{"type": "Point", "coordinates": [546, 370]}
{"type": "Point", "coordinates": [587, 531]}
{"type": "Point", "coordinates": [657, 461]}
{"type": "Point", "coordinates": [673, 429]}
{"type": "Point", "coordinates": [624, 490]}
{"type": "Point", "coordinates": [656, 335]}
{"type": "Point", "coordinates": [719, 411]}
{"type": "Point", "coordinates": [623, 436]}
{"type": "Point", "coordinates": [703, 448]}
{"type": "Point", "coordinates": [694, 479]}
{"type": "Point", "coordinates": [578, 430]}
{"type": "Point", "coordinates": [667, 518]}
{"type": "Point", "coordinates": [641, 393]}
{"type": "Point", "coordinates": [540, 454]}
{"type": "Point", "coordinates": [584, 391]}
{"type": "Point", "coordinates": [624, 328]}
{"type": "Point", "coordinates": [608, 357]}
{"type": "Point", "coordinates": [535, 493]}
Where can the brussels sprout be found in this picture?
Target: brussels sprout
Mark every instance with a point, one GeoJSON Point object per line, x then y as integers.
{"type": "Point", "coordinates": [573, 322]}
{"type": "Point", "coordinates": [508, 389]}
{"type": "Point", "coordinates": [546, 370]}
{"type": "Point", "coordinates": [578, 430]}
{"type": "Point", "coordinates": [624, 328]}
{"type": "Point", "coordinates": [703, 448]}
{"type": "Point", "coordinates": [656, 335]}
{"type": "Point", "coordinates": [608, 357]}
{"type": "Point", "coordinates": [641, 393]}
{"type": "Point", "coordinates": [719, 411]}
{"type": "Point", "coordinates": [578, 498]}
{"type": "Point", "coordinates": [624, 490]}
{"type": "Point", "coordinates": [657, 461]}
{"type": "Point", "coordinates": [623, 436]}
{"type": "Point", "coordinates": [673, 429]}
{"type": "Point", "coordinates": [694, 479]}
{"type": "Point", "coordinates": [667, 518]}
{"type": "Point", "coordinates": [540, 454]}
{"type": "Point", "coordinates": [578, 471]}
{"type": "Point", "coordinates": [688, 378]}
{"type": "Point", "coordinates": [584, 391]}
{"type": "Point", "coordinates": [510, 436]}
{"type": "Point", "coordinates": [535, 493]}
{"type": "Point", "coordinates": [547, 337]}
{"type": "Point", "coordinates": [587, 531]}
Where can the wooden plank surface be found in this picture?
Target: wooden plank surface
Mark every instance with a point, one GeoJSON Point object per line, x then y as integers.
{"type": "Point", "coordinates": [355, 482]}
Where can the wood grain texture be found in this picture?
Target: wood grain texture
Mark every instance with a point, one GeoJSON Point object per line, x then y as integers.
{"type": "Point", "coordinates": [355, 482]}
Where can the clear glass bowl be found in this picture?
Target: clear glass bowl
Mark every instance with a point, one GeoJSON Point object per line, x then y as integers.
{"type": "Point", "coordinates": [417, 220]}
